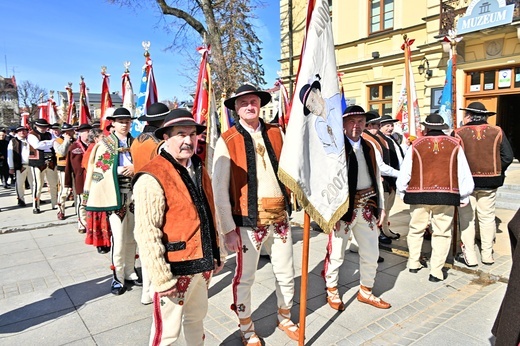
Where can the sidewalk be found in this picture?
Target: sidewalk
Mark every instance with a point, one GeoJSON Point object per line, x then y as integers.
{"type": "Point", "coordinates": [54, 290]}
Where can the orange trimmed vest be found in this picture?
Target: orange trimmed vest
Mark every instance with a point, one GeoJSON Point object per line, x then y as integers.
{"type": "Point", "coordinates": [481, 144]}
{"type": "Point", "coordinates": [434, 178]}
{"type": "Point", "coordinates": [243, 188]}
{"type": "Point", "coordinates": [61, 160]}
{"type": "Point", "coordinates": [189, 232]}
{"type": "Point", "coordinates": [143, 150]}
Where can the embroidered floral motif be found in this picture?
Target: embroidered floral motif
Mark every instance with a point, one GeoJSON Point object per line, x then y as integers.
{"type": "Point", "coordinates": [207, 276]}
{"type": "Point", "coordinates": [259, 233]}
{"type": "Point", "coordinates": [282, 229]}
{"type": "Point", "coordinates": [368, 216]}
{"type": "Point", "coordinates": [105, 161]}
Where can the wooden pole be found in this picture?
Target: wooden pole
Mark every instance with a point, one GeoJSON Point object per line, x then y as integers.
{"type": "Point", "coordinates": [408, 93]}
{"type": "Point", "coordinates": [305, 272]}
{"type": "Point", "coordinates": [453, 54]}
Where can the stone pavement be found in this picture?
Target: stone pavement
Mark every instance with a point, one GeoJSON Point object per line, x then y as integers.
{"type": "Point", "coordinates": [55, 290]}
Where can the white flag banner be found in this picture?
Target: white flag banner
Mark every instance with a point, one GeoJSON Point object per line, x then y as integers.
{"type": "Point", "coordinates": [313, 162]}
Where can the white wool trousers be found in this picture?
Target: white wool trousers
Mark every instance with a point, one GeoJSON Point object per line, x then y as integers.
{"type": "Point", "coordinates": [389, 203]}
{"type": "Point", "coordinates": [277, 242]}
{"type": "Point", "coordinates": [442, 225]}
{"type": "Point", "coordinates": [20, 181]}
{"type": "Point", "coordinates": [123, 242]}
{"type": "Point", "coordinates": [367, 236]}
{"type": "Point", "coordinates": [63, 192]}
{"type": "Point", "coordinates": [38, 179]}
{"type": "Point", "coordinates": [186, 309]}
{"type": "Point", "coordinates": [481, 209]}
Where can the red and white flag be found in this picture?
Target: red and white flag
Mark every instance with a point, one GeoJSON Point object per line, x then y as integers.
{"type": "Point", "coordinates": [84, 112]}
{"type": "Point", "coordinates": [313, 163]}
{"type": "Point", "coordinates": [52, 111]}
{"type": "Point", "coordinates": [43, 113]}
{"type": "Point", "coordinates": [24, 121]}
{"type": "Point", "coordinates": [106, 99]}
{"type": "Point", "coordinates": [408, 116]}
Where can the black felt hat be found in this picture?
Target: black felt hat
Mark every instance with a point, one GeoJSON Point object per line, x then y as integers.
{"type": "Point", "coordinates": [84, 127]}
{"type": "Point", "coordinates": [178, 117]}
{"type": "Point", "coordinates": [248, 89]}
{"type": "Point", "coordinates": [56, 126]}
{"type": "Point", "coordinates": [42, 123]}
{"type": "Point", "coordinates": [21, 128]}
{"type": "Point", "coordinates": [120, 113]}
{"type": "Point", "coordinates": [386, 119]}
{"type": "Point", "coordinates": [156, 112]}
{"type": "Point", "coordinates": [373, 117]}
{"type": "Point", "coordinates": [96, 124]}
{"type": "Point", "coordinates": [478, 108]}
{"type": "Point", "coordinates": [435, 121]}
{"type": "Point", "coordinates": [354, 110]}
{"type": "Point", "coordinates": [67, 127]}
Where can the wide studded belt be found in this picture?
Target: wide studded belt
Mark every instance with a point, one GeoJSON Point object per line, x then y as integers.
{"type": "Point", "coordinates": [364, 197]}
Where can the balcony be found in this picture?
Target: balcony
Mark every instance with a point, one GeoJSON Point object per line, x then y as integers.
{"type": "Point", "coordinates": [451, 10]}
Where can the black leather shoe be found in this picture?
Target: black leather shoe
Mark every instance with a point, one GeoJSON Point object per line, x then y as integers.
{"type": "Point", "coordinates": [393, 236]}
{"type": "Point", "coordinates": [380, 259]}
{"type": "Point", "coordinates": [21, 203]}
{"type": "Point", "coordinates": [383, 239]}
{"type": "Point", "coordinates": [138, 282]}
{"type": "Point", "coordinates": [117, 289]}
{"type": "Point", "coordinates": [414, 270]}
{"type": "Point", "coordinates": [460, 258]}
{"type": "Point", "coordinates": [36, 211]}
{"type": "Point", "coordinates": [434, 279]}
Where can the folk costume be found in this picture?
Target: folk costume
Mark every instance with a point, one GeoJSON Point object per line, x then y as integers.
{"type": "Point", "coordinates": [61, 147]}
{"type": "Point", "coordinates": [143, 150]}
{"type": "Point", "coordinates": [365, 201]}
{"type": "Point", "coordinates": [177, 237]}
{"type": "Point", "coordinates": [395, 156]}
{"type": "Point", "coordinates": [251, 201]}
{"type": "Point", "coordinates": [42, 161]}
{"type": "Point", "coordinates": [18, 160]}
{"type": "Point", "coordinates": [435, 178]}
{"type": "Point", "coordinates": [75, 176]}
{"type": "Point", "coordinates": [106, 189]}
{"type": "Point", "coordinates": [489, 154]}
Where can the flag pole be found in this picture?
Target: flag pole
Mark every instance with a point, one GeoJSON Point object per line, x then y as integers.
{"type": "Point", "coordinates": [407, 76]}
{"type": "Point", "coordinates": [304, 277]}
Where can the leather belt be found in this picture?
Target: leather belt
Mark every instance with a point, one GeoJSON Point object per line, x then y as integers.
{"type": "Point", "coordinates": [363, 198]}
{"type": "Point", "coordinates": [271, 210]}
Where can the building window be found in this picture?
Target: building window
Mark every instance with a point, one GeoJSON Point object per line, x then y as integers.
{"type": "Point", "coordinates": [381, 15]}
{"type": "Point", "coordinates": [380, 98]}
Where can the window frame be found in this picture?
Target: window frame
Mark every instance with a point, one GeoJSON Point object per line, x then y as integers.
{"type": "Point", "coordinates": [382, 17]}
{"type": "Point", "coordinates": [379, 103]}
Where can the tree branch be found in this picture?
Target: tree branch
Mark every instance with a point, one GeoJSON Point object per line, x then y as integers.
{"type": "Point", "coordinates": [176, 12]}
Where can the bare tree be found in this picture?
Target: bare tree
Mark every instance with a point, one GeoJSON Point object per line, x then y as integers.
{"type": "Point", "coordinates": [29, 96]}
{"type": "Point", "coordinates": [226, 25]}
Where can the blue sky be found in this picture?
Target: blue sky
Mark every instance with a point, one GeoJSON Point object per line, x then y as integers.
{"type": "Point", "coordinates": [51, 43]}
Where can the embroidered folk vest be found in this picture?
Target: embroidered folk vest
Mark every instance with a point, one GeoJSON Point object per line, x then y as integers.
{"type": "Point", "coordinates": [144, 149]}
{"type": "Point", "coordinates": [37, 157]}
{"type": "Point", "coordinates": [481, 144]}
{"type": "Point", "coordinates": [434, 178]}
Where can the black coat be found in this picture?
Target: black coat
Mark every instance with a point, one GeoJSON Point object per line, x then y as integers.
{"type": "Point", "coordinates": [507, 325]}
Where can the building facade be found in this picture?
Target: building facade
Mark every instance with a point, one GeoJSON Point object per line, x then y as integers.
{"type": "Point", "coordinates": [368, 36]}
{"type": "Point", "coordinates": [9, 111]}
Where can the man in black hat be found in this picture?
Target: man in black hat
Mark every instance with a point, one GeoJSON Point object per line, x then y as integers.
{"type": "Point", "coordinates": [434, 178]}
{"type": "Point", "coordinates": [395, 157]}
{"type": "Point", "coordinates": [489, 154]}
{"type": "Point", "coordinates": [42, 161]}
{"type": "Point", "coordinates": [143, 150]}
{"type": "Point", "coordinates": [314, 103]}
{"type": "Point", "coordinates": [252, 207]}
{"type": "Point", "coordinates": [61, 147]}
{"type": "Point", "coordinates": [175, 220]}
{"type": "Point", "coordinates": [74, 174]}
{"type": "Point", "coordinates": [4, 168]}
{"type": "Point", "coordinates": [363, 215]}
{"type": "Point", "coordinates": [108, 188]}
{"type": "Point", "coordinates": [145, 147]}
{"type": "Point", "coordinates": [18, 160]}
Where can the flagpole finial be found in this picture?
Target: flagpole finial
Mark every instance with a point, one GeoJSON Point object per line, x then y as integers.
{"type": "Point", "coordinates": [51, 93]}
{"type": "Point", "coordinates": [70, 85]}
{"type": "Point", "coordinates": [82, 78]}
{"type": "Point", "coordinates": [146, 47]}
{"type": "Point", "coordinates": [126, 64]}
{"type": "Point", "coordinates": [103, 69]}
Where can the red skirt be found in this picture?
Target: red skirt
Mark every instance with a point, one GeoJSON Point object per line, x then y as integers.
{"type": "Point", "coordinates": [98, 229]}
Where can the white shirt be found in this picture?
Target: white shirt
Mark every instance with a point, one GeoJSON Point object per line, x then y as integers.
{"type": "Point", "coordinates": [45, 145]}
{"type": "Point", "coordinates": [24, 146]}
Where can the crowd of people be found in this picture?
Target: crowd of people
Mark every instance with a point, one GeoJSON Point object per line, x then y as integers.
{"type": "Point", "coordinates": [152, 198]}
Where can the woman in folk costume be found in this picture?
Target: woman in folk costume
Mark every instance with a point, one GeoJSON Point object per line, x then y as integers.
{"type": "Point", "coordinates": [108, 188]}
{"type": "Point", "coordinates": [98, 227]}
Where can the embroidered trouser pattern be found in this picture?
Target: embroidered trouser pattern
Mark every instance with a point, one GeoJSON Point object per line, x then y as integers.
{"type": "Point", "coordinates": [187, 309]}
{"type": "Point", "coordinates": [38, 180]}
{"type": "Point", "coordinates": [481, 210]}
{"type": "Point", "coordinates": [276, 239]}
{"type": "Point", "coordinates": [81, 212]}
{"type": "Point", "coordinates": [363, 226]}
{"type": "Point", "coordinates": [123, 242]}
{"type": "Point", "coordinates": [442, 224]}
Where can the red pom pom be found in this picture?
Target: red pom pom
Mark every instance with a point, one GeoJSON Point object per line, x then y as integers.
{"type": "Point", "coordinates": [112, 267]}
{"type": "Point", "coordinates": [136, 256]}
{"type": "Point", "coordinates": [233, 307]}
